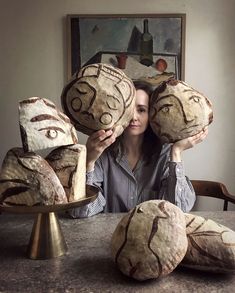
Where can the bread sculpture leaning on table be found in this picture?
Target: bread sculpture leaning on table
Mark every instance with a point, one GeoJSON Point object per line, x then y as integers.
{"type": "Point", "coordinates": [150, 241]}
{"type": "Point", "coordinates": [27, 178]}
{"type": "Point", "coordinates": [211, 246]}
{"type": "Point", "coordinates": [156, 236]}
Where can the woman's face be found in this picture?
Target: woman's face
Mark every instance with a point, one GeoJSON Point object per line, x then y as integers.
{"type": "Point", "coordinates": [140, 120]}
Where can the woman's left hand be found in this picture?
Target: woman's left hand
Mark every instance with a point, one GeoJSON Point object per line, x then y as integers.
{"type": "Point", "coordinates": [187, 143]}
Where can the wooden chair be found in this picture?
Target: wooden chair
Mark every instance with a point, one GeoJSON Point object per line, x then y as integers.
{"type": "Point", "coordinates": [213, 189]}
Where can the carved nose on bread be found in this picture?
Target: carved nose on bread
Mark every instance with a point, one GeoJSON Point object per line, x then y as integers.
{"type": "Point", "coordinates": [88, 115]}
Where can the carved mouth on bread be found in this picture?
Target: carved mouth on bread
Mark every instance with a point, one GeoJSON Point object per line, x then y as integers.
{"type": "Point", "coordinates": [189, 128]}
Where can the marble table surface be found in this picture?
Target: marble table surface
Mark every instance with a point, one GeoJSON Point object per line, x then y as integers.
{"type": "Point", "coordinates": [87, 266]}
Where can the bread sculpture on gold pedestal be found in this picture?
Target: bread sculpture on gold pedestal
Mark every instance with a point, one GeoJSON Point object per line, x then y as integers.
{"type": "Point", "coordinates": [69, 164]}
{"type": "Point", "coordinates": [43, 126]}
{"type": "Point", "coordinates": [178, 111]}
{"type": "Point", "coordinates": [98, 97]}
{"type": "Point", "coordinates": [27, 179]}
{"type": "Point", "coordinates": [150, 241]}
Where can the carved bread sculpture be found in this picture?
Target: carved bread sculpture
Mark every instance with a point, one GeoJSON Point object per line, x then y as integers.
{"type": "Point", "coordinates": [98, 97]}
{"type": "Point", "coordinates": [150, 241]}
{"type": "Point", "coordinates": [69, 164]}
{"type": "Point", "coordinates": [211, 246]}
{"type": "Point", "coordinates": [43, 126]}
{"type": "Point", "coordinates": [178, 111]}
{"type": "Point", "coordinates": [27, 179]}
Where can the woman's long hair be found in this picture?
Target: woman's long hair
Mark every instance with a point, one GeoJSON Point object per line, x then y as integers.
{"type": "Point", "coordinates": [151, 143]}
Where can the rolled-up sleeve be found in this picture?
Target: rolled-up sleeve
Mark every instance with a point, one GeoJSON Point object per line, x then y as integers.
{"type": "Point", "coordinates": [176, 187]}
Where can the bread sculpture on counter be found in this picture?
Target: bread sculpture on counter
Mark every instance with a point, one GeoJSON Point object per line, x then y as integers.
{"type": "Point", "coordinates": [178, 111]}
{"type": "Point", "coordinates": [155, 237]}
{"type": "Point", "coordinates": [211, 246]}
{"type": "Point", "coordinates": [99, 96]}
{"type": "Point", "coordinates": [26, 178]}
{"type": "Point", "coordinates": [150, 241]}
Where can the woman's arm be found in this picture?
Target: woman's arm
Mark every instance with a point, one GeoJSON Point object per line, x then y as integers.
{"type": "Point", "coordinates": [175, 186]}
{"type": "Point", "coordinates": [96, 144]}
{"type": "Point", "coordinates": [187, 143]}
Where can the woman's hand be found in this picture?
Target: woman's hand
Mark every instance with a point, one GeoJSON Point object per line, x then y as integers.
{"type": "Point", "coordinates": [96, 144]}
{"type": "Point", "coordinates": [187, 143]}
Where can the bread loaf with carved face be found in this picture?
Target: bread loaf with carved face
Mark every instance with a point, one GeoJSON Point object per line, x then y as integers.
{"type": "Point", "coordinates": [211, 246]}
{"type": "Point", "coordinates": [43, 125]}
{"type": "Point", "coordinates": [98, 97]}
{"type": "Point", "coordinates": [69, 164]}
{"type": "Point", "coordinates": [150, 241]}
{"type": "Point", "coordinates": [27, 179]}
{"type": "Point", "coordinates": [178, 111]}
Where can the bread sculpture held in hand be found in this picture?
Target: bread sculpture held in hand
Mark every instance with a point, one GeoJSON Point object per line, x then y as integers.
{"type": "Point", "coordinates": [150, 241]}
{"type": "Point", "coordinates": [178, 111]}
{"type": "Point", "coordinates": [211, 246]}
{"type": "Point", "coordinates": [98, 97]}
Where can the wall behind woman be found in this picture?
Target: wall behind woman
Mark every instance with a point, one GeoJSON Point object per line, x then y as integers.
{"type": "Point", "coordinates": [33, 63]}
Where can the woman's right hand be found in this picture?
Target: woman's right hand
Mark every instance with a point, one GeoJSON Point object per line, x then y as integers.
{"type": "Point", "coordinates": [96, 144]}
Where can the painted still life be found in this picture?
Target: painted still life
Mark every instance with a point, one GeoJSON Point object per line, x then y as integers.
{"type": "Point", "coordinates": [147, 47]}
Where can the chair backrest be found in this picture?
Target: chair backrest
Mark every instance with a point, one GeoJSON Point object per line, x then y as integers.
{"type": "Point", "coordinates": [213, 189]}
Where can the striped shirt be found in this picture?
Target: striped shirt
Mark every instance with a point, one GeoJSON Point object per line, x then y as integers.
{"type": "Point", "coordinates": [121, 188]}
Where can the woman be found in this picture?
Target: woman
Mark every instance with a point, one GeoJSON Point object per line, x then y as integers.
{"type": "Point", "coordinates": [135, 166]}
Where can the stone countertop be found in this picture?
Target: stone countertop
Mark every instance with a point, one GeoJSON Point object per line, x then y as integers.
{"type": "Point", "coordinates": [87, 266]}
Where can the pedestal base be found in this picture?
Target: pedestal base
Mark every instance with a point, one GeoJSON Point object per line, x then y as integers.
{"type": "Point", "coordinates": [46, 240]}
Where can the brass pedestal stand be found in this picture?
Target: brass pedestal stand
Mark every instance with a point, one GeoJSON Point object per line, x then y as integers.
{"type": "Point", "coordinates": [47, 240]}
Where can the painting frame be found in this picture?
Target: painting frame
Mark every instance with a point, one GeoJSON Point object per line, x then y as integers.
{"type": "Point", "coordinates": [170, 24]}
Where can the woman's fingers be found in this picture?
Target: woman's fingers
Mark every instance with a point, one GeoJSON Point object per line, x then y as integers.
{"type": "Point", "coordinates": [200, 136]}
{"type": "Point", "coordinates": [191, 141]}
{"type": "Point", "coordinates": [100, 135]}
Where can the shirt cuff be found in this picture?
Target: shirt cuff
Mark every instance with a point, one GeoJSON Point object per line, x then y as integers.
{"type": "Point", "coordinates": [176, 169]}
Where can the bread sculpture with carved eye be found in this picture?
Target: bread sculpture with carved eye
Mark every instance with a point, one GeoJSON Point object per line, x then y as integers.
{"type": "Point", "coordinates": [211, 246]}
{"type": "Point", "coordinates": [150, 241]}
{"type": "Point", "coordinates": [43, 126]}
{"type": "Point", "coordinates": [178, 111]}
{"type": "Point", "coordinates": [98, 97]}
{"type": "Point", "coordinates": [69, 164]}
{"type": "Point", "coordinates": [27, 179]}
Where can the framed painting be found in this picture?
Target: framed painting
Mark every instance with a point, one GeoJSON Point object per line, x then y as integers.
{"type": "Point", "coordinates": [150, 47]}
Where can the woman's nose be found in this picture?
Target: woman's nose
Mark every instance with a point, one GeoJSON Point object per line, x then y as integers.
{"type": "Point", "coordinates": [135, 115]}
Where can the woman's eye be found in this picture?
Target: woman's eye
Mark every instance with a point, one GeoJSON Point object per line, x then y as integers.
{"type": "Point", "coordinates": [141, 110]}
